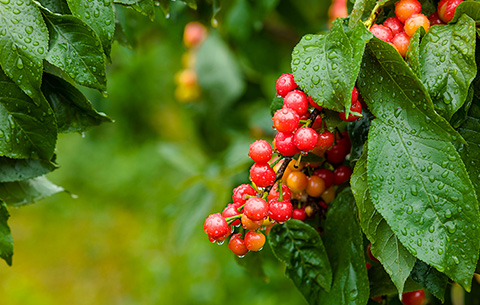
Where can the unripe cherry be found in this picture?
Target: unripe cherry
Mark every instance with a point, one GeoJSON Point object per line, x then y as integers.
{"type": "Point", "coordinates": [249, 224]}
{"type": "Point", "coordinates": [297, 182]}
{"type": "Point", "coordinates": [327, 176]}
{"type": "Point", "coordinates": [315, 186]}
{"type": "Point", "coordinates": [285, 83]}
{"type": "Point", "coordinates": [256, 208]}
{"type": "Point", "coordinates": [262, 175]}
{"type": "Point", "coordinates": [280, 211]}
{"type": "Point", "coordinates": [406, 8]}
{"type": "Point", "coordinates": [260, 151]}
{"type": "Point", "coordinates": [414, 22]}
{"type": "Point", "coordinates": [254, 241]}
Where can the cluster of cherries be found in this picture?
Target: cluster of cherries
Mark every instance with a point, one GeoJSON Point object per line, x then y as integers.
{"type": "Point", "coordinates": [186, 79]}
{"type": "Point", "coordinates": [398, 30]}
{"type": "Point", "coordinates": [306, 187]}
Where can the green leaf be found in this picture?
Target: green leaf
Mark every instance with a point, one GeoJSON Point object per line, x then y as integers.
{"type": "Point", "coordinates": [326, 66]}
{"type": "Point", "coordinates": [144, 7]}
{"type": "Point", "coordinates": [6, 241]}
{"type": "Point", "coordinates": [360, 8]}
{"type": "Point", "coordinates": [447, 64]}
{"type": "Point", "coordinates": [346, 253]}
{"type": "Point", "coordinates": [21, 169]}
{"type": "Point", "coordinates": [75, 48]}
{"type": "Point", "coordinates": [27, 191]}
{"type": "Point", "coordinates": [413, 53]}
{"type": "Point", "coordinates": [358, 133]}
{"type": "Point", "coordinates": [23, 44]}
{"type": "Point", "coordinates": [461, 115]}
{"type": "Point", "coordinates": [470, 152]}
{"type": "Point", "coordinates": [253, 264]}
{"type": "Point", "coordinates": [422, 189]}
{"type": "Point", "coordinates": [121, 36]}
{"type": "Point", "coordinates": [276, 104]}
{"type": "Point", "coordinates": [300, 247]}
{"type": "Point", "coordinates": [470, 8]}
{"type": "Point", "coordinates": [432, 280]}
{"type": "Point", "coordinates": [26, 130]}
{"type": "Point", "coordinates": [99, 15]}
{"type": "Point", "coordinates": [218, 72]}
{"type": "Point", "coordinates": [73, 110]}
{"type": "Point", "coordinates": [402, 102]}
{"type": "Point", "coordinates": [191, 3]}
{"type": "Point", "coordinates": [56, 6]}
{"type": "Point", "coordinates": [386, 247]}
{"type": "Point", "coordinates": [381, 284]}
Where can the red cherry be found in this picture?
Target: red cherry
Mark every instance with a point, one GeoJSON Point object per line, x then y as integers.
{"type": "Point", "coordinates": [280, 211]}
{"type": "Point", "coordinates": [394, 24]}
{"type": "Point", "coordinates": [285, 84]}
{"type": "Point", "coordinates": [260, 151]}
{"type": "Point", "coordinates": [262, 175]}
{"type": "Point", "coordinates": [305, 138]}
{"type": "Point", "coordinates": [446, 9]}
{"type": "Point", "coordinates": [336, 154]}
{"type": "Point", "coordinates": [325, 140]}
{"type": "Point", "coordinates": [296, 100]}
{"type": "Point", "coordinates": [286, 120]}
{"type": "Point", "coordinates": [406, 8]}
{"type": "Point", "coordinates": [299, 214]}
{"type": "Point", "coordinates": [354, 95]}
{"type": "Point", "coordinates": [313, 104]}
{"type": "Point", "coordinates": [237, 245]}
{"type": "Point", "coordinates": [401, 41]}
{"type": "Point", "coordinates": [256, 208]}
{"type": "Point", "coordinates": [382, 32]}
{"type": "Point", "coordinates": [230, 211]}
{"type": "Point", "coordinates": [240, 192]}
{"type": "Point", "coordinates": [345, 141]}
{"type": "Point", "coordinates": [254, 241]}
{"type": "Point", "coordinates": [285, 145]}
{"type": "Point", "coordinates": [327, 176]}
{"type": "Point", "coordinates": [435, 19]}
{"type": "Point", "coordinates": [342, 173]}
{"type": "Point", "coordinates": [194, 34]}
{"type": "Point", "coordinates": [317, 124]}
{"type": "Point", "coordinates": [414, 298]}
{"type": "Point", "coordinates": [274, 193]}
{"type": "Point", "coordinates": [216, 226]}
{"type": "Point", "coordinates": [370, 255]}
{"type": "Point", "coordinates": [355, 107]}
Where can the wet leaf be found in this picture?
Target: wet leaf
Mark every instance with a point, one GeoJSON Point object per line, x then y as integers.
{"type": "Point", "coordinates": [27, 191]}
{"type": "Point", "coordinates": [431, 279]}
{"type": "Point", "coordinates": [144, 7]}
{"type": "Point", "coordinates": [21, 169]}
{"type": "Point", "coordinates": [6, 241]}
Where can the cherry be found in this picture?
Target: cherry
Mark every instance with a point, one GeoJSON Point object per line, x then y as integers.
{"type": "Point", "coordinates": [344, 140]}
{"type": "Point", "coordinates": [394, 24]}
{"type": "Point", "coordinates": [296, 100]}
{"type": "Point", "coordinates": [260, 151]}
{"type": "Point", "coordinates": [285, 145]}
{"type": "Point", "coordinates": [254, 241]}
{"type": "Point", "coordinates": [216, 226]}
{"type": "Point", "coordinates": [237, 245]}
{"type": "Point", "coordinates": [354, 95]}
{"type": "Point", "coordinates": [285, 84]}
{"type": "Point", "coordinates": [446, 9]}
{"type": "Point", "coordinates": [325, 140]}
{"type": "Point", "coordinates": [406, 8]}
{"type": "Point", "coordinates": [313, 104]}
{"type": "Point", "coordinates": [342, 173]}
{"type": "Point", "coordinates": [368, 266]}
{"type": "Point", "coordinates": [274, 193]}
{"type": "Point", "coordinates": [249, 224]}
{"type": "Point", "coordinates": [305, 138]}
{"type": "Point", "coordinates": [329, 195]}
{"type": "Point", "coordinates": [370, 255]}
{"type": "Point", "coordinates": [327, 176]}
{"type": "Point", "coordinates": [280, 211]}
{"type": "Point", "coordinates": [240, 192]}
{"type": "Point", "coordinates": [256, 208]}
{"type": "Point", "coordinates": [230, 211]}
{"type": "Point", "coordinates": [414, 22]}
{"type": "Point", "coordinates": [382, 32]}
{"type": "Point", "coordinates": [355, 107]}
{"type": "Point", "coordinates": [262, 175]}
{"type": "Point", "coordinates": [194, 34]}
{"type": "Point", "coordinates": [317, 124]}
{"type": "Point", "coordinates": [435, 19]}
{"type": "Point", "coordinates": [297, 182]}
{"type": "Point", "coordinates": [401, 41]}
{"type": "Point", "coordinates": [315, 186]}
{"type": "Point", "coordinates": [413, 298]}
{"type": "Point", "coordinates": [299, 214]}
{"type": "Point", "coordinates": [303, 117]}
{"type": "Point", "coordinates": [336, 154]}
{"type": "Point", "coordinates": [286, 120]}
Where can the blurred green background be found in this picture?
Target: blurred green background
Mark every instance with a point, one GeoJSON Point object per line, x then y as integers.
{"type": "Point", "coordinates": [133, 232]}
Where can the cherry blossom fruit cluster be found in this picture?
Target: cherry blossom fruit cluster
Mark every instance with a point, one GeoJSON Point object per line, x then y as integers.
{"type": "Point", "coordinates": [397, 30]}
{"type": "Point", "coordinates": [282, 186]}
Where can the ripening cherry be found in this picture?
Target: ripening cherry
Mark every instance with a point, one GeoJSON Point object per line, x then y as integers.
{"type": "Point", "coordinates": [286, 120]}
{"type": "Point", "coordinates": [285, 84]}
{"type": "Point", "coordinates": [355, 107]}
{"type": "Point", "coordinates": [414, 298]}
{"type": "Point", "coordinates": [394, 24]}
{"type": "Point", "coordinates": [315, 186]}
{"type": "Point", "coordinates": [446, 9]}
{"type": "Point", "coordinates": [435, 19]}
{"type": "Point", "coordinates": [260, 151]}
{"type": "Point", "coordinates": [299, 214]}
{"type": "Point", "coordinates": [255, 208]}
{"type": "Point", "coordinates": [274, 193]}
{"type": "Point", "coordinates": [327, 176]}
{"type": "Point", "coordinates": [325, 140]}
{"type": "Point", "coordinates": [305, 138]}
{"type": "Point", "coordinates": [280, 211]}
{"type": "Point", "coordinates": [237, 245]}
{"type": "Point", "coordinates": [262, 175]}
{"type": "Point", "coordinates": [297, 101]}
{"type": "Point", "coordinates": [216, 226]}
{"type": "Point", "coordinates": [240, 193]}
{"type": "Point", "coordinates": [406, 8]}
{"type": "Point", "coordinates": [329, 195]}
{"type": "Point", "coordinates": [285, 145]}
{"type": "Point", "coordinates": [382, 32]}
{"type": "Point", "coordinates": [230, 211]}
{"type": "Point", "coordinates": [401, 41]}
{"type": "Point", "coordinates": [254, 241]}
{"type": "Point", "coordinates": [194, 34]}
{"type": "Point", "coordinates": [342, 173]}
{"type": "Point", "coordinates": [297, 182]}
{"type": "Point", "coordinates": [414, 22]}
{"type": "Point", "coordinates": [336, 154]}
{"type": "Point", "coordinates": [249, 224]}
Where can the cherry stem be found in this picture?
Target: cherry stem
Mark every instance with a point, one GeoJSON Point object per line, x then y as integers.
{"type": "Point", "coordinates": [368, 23]}
{"type": "Point", "coordinates": [255, 187]}
{"type": "Point", "coordinates": [239, 209]}
{"type": "Point", "coordinates": [279, 175]}
{"type": "Point", "coordinates": [280, 190]}
{"type": "Point", "coordinates": [313, 116]}
{"type": "Point", "coordinates": [233, 218]}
